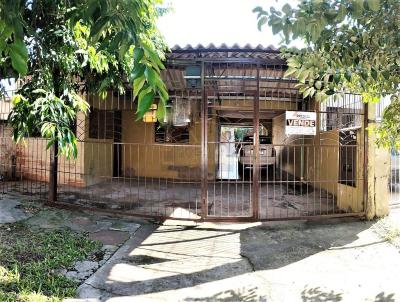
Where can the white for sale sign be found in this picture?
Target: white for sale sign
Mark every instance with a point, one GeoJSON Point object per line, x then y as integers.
{"type": "Point", "coordinates": [301, 123]}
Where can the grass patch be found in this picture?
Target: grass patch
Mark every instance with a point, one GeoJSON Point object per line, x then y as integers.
{"type": "Point", "coordinates": [31, 260]}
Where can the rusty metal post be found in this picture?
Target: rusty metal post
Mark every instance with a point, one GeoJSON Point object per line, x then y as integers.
{"type": "Point", "coordinates": [256, 148]}
{"type": "Point", "coordinates": [53, 173]}
{"type": "Point", "coordinates": [204, 149]}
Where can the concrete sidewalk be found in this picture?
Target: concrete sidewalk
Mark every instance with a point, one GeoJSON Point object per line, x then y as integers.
{"type": "Point", "coordinates": [331, 260]}
{"type": "Point", "coordinates": [336, 260]}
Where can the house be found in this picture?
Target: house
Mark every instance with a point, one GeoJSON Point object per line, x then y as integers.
{"type": "Point", "coordinates": [238, 142]}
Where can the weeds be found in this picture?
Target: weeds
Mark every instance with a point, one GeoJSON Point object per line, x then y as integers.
{"type": "Point", "coordinates": [389, 229]}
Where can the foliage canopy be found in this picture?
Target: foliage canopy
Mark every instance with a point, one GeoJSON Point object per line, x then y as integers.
{"type": "Point", "coordinates": [62, 49]}
{"type": "Point", "coordinates": [351, 45]}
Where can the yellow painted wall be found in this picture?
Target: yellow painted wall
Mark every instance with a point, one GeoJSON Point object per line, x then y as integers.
{"type": "Point", "coordinates": [143, 157]}
{"type": "Point", "coordinates": [288, 156]}
{"type": "Point", "coordinates": [322, 161]}
{"type": "Point", "coordinates": [351, 198]}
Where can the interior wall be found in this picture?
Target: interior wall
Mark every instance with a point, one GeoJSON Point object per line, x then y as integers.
{"type": "Point", "coordinates": [288, 158]}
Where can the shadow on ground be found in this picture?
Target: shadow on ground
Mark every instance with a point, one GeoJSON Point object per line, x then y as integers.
{"type": "Point", "coordinates": [276, 245]}
{"type": "Point", "coordinates": [232, 262]}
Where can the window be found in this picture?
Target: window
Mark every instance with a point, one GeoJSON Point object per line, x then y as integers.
{"type": "Point", "coordinates": [348, 158]}
{"type": "Point", "coordinates": [171, 134]}
{"type": "Point", "coordinates": [101, 124]}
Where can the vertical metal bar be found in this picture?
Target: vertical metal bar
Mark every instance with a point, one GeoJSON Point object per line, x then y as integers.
{"type": "Point", "coordinates": [256, 148]}
{"type": "Point", "coordinates": [365, 172]}
{"type": "Point", "coordinates": [204, 149]}
{"type": "Point", "coordinates": [53, 172]}
{"type": "Point", "coordinates": [318, 151]}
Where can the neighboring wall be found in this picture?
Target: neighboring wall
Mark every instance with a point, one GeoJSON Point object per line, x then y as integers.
{"type": "Point", "coordinates": [7, 152]}
{"type": "Point", "coordinates": [5, 108]}
{"type": "Point", "coordinates": [34, 162]}
{"type": "Point", "coordinates": [377, 203]}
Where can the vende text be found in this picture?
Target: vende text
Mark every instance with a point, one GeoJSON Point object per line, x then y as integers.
{"type": "Point", "coordinates": [302, 123]}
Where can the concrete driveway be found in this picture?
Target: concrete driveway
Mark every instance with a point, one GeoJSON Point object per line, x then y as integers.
{"type": "Point", "coordinates": [335, 260]}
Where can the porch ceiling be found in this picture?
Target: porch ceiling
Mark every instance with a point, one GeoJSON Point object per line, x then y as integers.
{"type": "Point", "coordinates": [232, 70]}
{"type": "Point", "coordinates": [231, 80]}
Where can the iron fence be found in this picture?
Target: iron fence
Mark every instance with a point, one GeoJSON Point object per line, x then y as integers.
{"type": "Point", "coordinates": [221, 152]}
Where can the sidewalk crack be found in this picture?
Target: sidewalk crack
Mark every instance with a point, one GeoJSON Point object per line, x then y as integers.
{"type": "Point", "coordinates": [248, 261]}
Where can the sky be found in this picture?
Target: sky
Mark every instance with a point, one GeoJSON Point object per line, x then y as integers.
{"type": "Point", "coordinates": [217, 21]}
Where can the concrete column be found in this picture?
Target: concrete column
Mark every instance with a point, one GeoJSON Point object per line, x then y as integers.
{"type": "Point", "coordinates": [377, 203]}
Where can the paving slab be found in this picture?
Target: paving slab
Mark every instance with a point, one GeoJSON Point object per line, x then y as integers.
{"type": "Point", "coordinates": [110, 237]}
{"type": "Point", "coordinates": [11, 210]}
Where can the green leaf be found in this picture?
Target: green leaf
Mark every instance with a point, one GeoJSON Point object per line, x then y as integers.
{"type": "Point", "coordinates": [151, 76]}
{"type": "Point", "coordinates": [16, 99]}
{"type": "Point", "coordinates": [138, 71]}
{"type": "Point", "coordinates": [289, 72]}
{"type": "Point", "coordinates": [287, 9]}
{"type": "Point", "coordinates": [374, 74]}
{"type": "Point", "coordinates": [18, 63]}
{"type": "Point", "coordinates": [374, 5]}
{"type": "Point", "coordinates": [138, 54]}
{"type": "Point", "coordinates": [293, 62]}
{"type": "Point", "coordinates": [160, 112]}
{"type": "Point", "coordinates": [98, 26]}
{"type": "Point", "coordinates": [138, 85]}
{"type": "Point", "coordinates": [347, 76]}
{"type": "Point", "coordinates": [357, 8]}
{"type": "Point", "coordinates": [145, 103]}
{"type": "Point", "coordinates": [276, 28]}
{"type": "Point", "coordinates": [19, 57]}
{"type": "Point", "coordinates": [261, 22]}
{"type": "Point", "coordinates": [309, 92]}
{"type": "Point", "coordinates": [257, 9]}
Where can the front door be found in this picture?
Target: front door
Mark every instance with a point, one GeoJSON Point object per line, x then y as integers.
{"type": "Point", "coordinates": [230, 179]}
